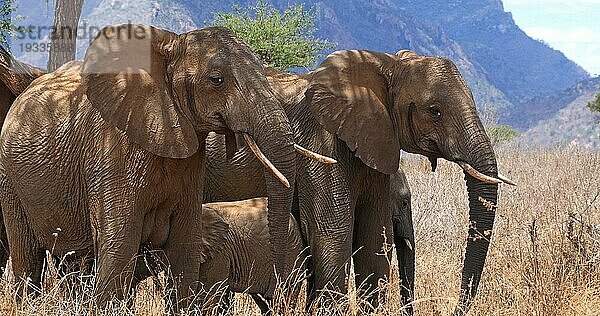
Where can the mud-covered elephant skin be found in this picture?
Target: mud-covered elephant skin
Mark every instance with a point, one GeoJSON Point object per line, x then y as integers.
{"type": "Point", "coordinates": [361, 108]}
{"type": "Point", "coordinates": [242, 260]}
{"type": "Point", "coordinates": [109, 153]}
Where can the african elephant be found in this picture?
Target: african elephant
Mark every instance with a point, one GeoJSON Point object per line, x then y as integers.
{"type": "Point", "coordinates": [108, 154]}
{"type": "Point", "coordinates": [404, 235]}
{"type": "Point", "coordinates": [242, 260]}
{"type": "Point", "coordinates": [15, 77]}
{"type": "Point", "coordinates": [361, 108]}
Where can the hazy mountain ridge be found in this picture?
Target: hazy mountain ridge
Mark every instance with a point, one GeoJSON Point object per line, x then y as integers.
{"type": "Point", "coordinates": [535, 110]}
{"type": "Point", "coordinates": [518, 65]}
{"type": "Point", "coordinates": [573, 125]}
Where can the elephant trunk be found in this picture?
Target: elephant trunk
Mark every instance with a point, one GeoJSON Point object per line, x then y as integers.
{"type": "Point", "coordinates": [275, 138]}
{"type": "Point", "coordinates": [482, 206]}
{"type": "Point", "coordinates": [264, 119]}
{"type": "Point", "coordinates": [406, 264]}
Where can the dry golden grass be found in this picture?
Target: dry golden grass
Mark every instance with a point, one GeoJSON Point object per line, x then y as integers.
{"type": "Point", "coordinates": [544, 258]}
{"type": "Point", "coordinates": [545, 252]}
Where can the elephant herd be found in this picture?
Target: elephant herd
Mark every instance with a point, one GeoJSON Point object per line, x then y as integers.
{"type": "Point", "coordinates": [115, 155]}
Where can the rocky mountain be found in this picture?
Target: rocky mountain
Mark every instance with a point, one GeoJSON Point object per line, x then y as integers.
{"type": "Point", "coordinates": [504, 67]}
{"type": "Point", "coordinates": [534, 111]}
{"type": "Point", "coordinates": [573, 125]}
{"type": "Point", "coordinates": [513, 62]}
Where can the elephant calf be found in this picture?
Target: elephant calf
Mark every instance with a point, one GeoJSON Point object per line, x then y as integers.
{"type": "Point", "coordinates": [404, 235]}
{"type": "Point", "coordinates": [240, 256]}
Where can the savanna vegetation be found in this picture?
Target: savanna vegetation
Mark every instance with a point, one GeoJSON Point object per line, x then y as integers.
{"type": "Point", "coordinates": [544, 258]}
{"type": "Point", "coordinates": [545, 253]}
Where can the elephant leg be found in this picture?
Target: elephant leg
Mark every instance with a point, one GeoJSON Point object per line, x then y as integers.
{"type": "Point", "coordinates": [116, 268]}
{"type": "Point", "coordinates": [331, 258]}
{"type": "Point", "coordinates": [404, 240]}
{"type": "Point", "coordinates": [183, 251]}
{"type": "Point", "coordinates": [372, 219]}
{"type": "Point", "coordinates": [326, 216]}
{"type": "Point", "coordinates": [4, 252]}
{"type": "Point", "coordinates": [27, 255]}
{"type": "Point", "coordinates": [116, 240]}
{"type": "Point", "coordinates": [404, 236]}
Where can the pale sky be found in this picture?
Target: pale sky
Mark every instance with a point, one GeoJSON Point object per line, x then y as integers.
{"type": "Point", "coordinates": [571, 26]}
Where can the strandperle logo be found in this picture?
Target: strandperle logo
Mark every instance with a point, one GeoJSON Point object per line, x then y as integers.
{"type": "Point", "coordinates": [34, 39]}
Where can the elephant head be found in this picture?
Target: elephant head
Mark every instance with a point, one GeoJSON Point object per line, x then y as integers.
{"type": "Point", "coordinates": [379, 104]}
{"type": "Point", "coordinates": [166, 92]}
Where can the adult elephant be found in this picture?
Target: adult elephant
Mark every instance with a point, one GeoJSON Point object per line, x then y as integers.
{"type": "Point", "coordinates": [362, 108]}
{"type": "Point", "coordinates": [109, 153]}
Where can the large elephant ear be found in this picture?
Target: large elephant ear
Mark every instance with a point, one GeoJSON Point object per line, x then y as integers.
{"type": "Point", "coordinates": [405, 53]}
{"type": "Point", "coordinates": [348, 95]}
{"type": "Point", "coordinates": [125, 76]}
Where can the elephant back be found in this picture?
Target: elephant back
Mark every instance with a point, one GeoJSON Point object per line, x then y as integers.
{"type": "Point", "coordinates": [51, 96]}
{"type": "Point", "coordinates": [289, 88]}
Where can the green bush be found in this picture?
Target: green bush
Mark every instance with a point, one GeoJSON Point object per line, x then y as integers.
{"type": "Point", "coordinates": [282, 40]}
{"type": "Point", "coordinates": [501, 133]}
{"type": "Point", "coordinates": [594, 105]}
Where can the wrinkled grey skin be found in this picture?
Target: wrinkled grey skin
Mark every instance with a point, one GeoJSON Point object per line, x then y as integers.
{"type": "Point", "coordinates": [400, 206]}
{"type": "Point", "coordinates": [404, 235]}
{"type": "Point", "coordinates": [111, 175]}
{"type": "Point", "coordinates": [228, 180]}
{"type": "Point", "coordinates": [15, 77]}
{"type": "Point", "coordinates": [243, 261]}
{"type": "Point", "coordinates": [361, 108]}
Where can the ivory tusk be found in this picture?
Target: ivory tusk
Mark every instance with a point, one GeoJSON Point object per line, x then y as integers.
{"type": "Point", "coordinates": [506, 180]}
{"type": "Point", "coordinates": [476, 174]}
{"type": "Point", "coordinates": [407, 242]}
{"type": "Point", "coordinates": [313, 155]}
{"type": "Point", "coordinates": [263, 159]}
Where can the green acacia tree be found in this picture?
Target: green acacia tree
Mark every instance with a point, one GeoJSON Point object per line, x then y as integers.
{"type": "Point", "coordinates": [283, 40]}
{"type": "Point", "coordinates": [7, 22]}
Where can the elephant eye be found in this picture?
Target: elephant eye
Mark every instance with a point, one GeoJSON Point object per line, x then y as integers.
{"type": "Point", "coordinates": [435, 111]}
{"type": "Point", "coordinates": [216, 80]}
{"type": "Point", "coordinates": [405, 205]}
